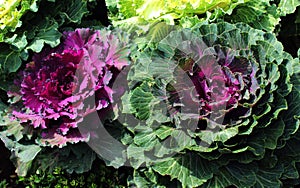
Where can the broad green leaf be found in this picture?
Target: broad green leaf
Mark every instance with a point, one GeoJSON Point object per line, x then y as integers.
{"type": "Point", "coordinates": [12, 127]}
{"type": "Point", "coordinates": [142, 101]}
{"type": "Point", "coordinates": [254, 10]}
{"type": "Point", "coordinates": [141, 181]}
{"type": "Point", "coordinates": [148, 66]}
{"type": "Point", "coordinates": [2, 107]}
{"type": "Point", "coordinates": [158, 32]}
{"type": "Point", "coordinates": [233, 174]}
{"type": "Point", "coordinates": [72, 158]}
{"type": "Point", "coordinates": [137, 13]}
{"type": "Point", "coordinates": [22, 155]}
{"type": "Point", "coordinates": [144, 177]}
{"type": "Point", "coordinates": [10, 60]}
{"type": "Point", "coordinates": [23, 168]}
{"type": "Point", "coordinates": [9, 144]}
{"type": "Point", "coordinates": [146, 140]}
{"type": "Point", "coordinates": [47, 34]}
{"type": "Point", "coordinates": [292, 116]}
{"type": "Point", "coordinates": [290, 170]}
{"type": "Point", "coordinates": [288, 6]}
{"type": "Point", "coordinates": [17, 41]}
{"type": "Point", "coordinates": [28, 153]}
{"type": "Point", "coordinates": [163, 132]}
{"type": "Point", "coordinates": [76, 9]}
{"type": "Point", "coordinates": [190, 169]}
{"type": "Point", "coordinates": [178, 141]}
{"type": "Point", "coordinates": [269, 177]}
{"type": "Point", "coordinates": [136, 156]}
{"type": "Point", "coordinates": [11, 12]}
{"type": "Point", "coordinates": [263, 138]}
{"type": "Point", "coordinates": [210, 136]}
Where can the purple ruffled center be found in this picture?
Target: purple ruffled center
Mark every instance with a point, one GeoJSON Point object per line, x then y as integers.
{"type": "Point", "coordinates": [59, 84]}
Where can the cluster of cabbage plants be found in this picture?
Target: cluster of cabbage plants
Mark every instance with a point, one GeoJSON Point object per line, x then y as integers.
{"type": "Point", "coordinates": [182, 93]}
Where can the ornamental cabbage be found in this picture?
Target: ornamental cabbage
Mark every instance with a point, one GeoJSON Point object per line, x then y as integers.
{"type": "Point", "coordinates": [212, 106]}
{"type": "Point", "coordinates": [57, 83]}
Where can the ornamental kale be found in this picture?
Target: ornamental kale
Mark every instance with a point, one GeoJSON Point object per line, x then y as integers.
{"type": "Point", "coordinates": [57, 83]}
{"type": "Point", "coordinates": [211, 106]}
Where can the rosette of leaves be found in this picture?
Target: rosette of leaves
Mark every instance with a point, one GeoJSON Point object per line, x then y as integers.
{"type": "Point", "coordinates": [56, 86]}
{"type": "Point", "coordinates": [40, 30]}
{"type": "Point", "coordinates": [212, 106]}
{"type": "Point", "coordinates": [51, 99]}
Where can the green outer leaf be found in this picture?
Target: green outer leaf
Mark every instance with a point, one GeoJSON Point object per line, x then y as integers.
{"type": "Point", "coordinates": [292, 116]}
{"type": "Point", "coordinates": [17, 41]}
{"type": "Point", "coordinates": [2, 108]}
{"type": "Point", "coordinates": [290, 170]}
{"type": "Point", "coordinates": [269, 177]}
{"type": "Point", "coordinates": [254, 10]}
{"type": "Point", "coordinates": [141, 181]}
{"type": "Point", "coordinates": [41, 29]}
{"type": "Point", "coordinates": [233, 174]}
{"type": "Point", "coordinates": [189, 169]}
{"type": "Point", "coordinates": [163, 132]}
{"type": "Point", "coordinates": [147, 178]}
{"type": "Point", "coordinates": [11, 13]}
{"type": "Point", "coordinates": [136, 155]}
{"type": "Point", "coordinates": [76, 9]}
{"type": "Point", "coordinates": [141, 101]}
{"type": "Point", "coordinates": [22, 155]}
{"type": "Point", "coordinates": [47, 34]}
{"type": "Point", "coordinates": [288, 6]}
{"type": "Point", "coordinates": [158, 32]}
{"type": "Point", "coordinates": [28, 153]}
{"type": "Point", "coordinates": [72, 158]}
{"type": "Point", "coordinates": [146, 67]}
{"type": "Point", "coordinates": [10, 60]}
{"type": "Point", "coordinates": [12, 128]}
{"type": "Point", "coordinates": [168, 9]}
{"type": "Point", "coordinates": [134, 15]}
{"type": "Point", "coordinates": [11, 134]}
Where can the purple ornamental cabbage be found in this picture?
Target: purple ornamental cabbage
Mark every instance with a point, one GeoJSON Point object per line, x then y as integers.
{"type": "Point", "coordinates": [214, 103]}
{"type": "Point", "coordinates": [57, 83]}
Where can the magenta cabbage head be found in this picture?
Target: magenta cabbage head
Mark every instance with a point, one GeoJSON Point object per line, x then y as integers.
{"type": "Point", "coordinates": [57, 83]}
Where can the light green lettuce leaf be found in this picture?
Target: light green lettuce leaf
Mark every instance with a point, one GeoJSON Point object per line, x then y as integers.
{"type": "Point", "coordinates": [288, 6]}
{"type": "Point", "coordinates": [11, 12]}
{"type": "Point", "coordinates": [135, 14]}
